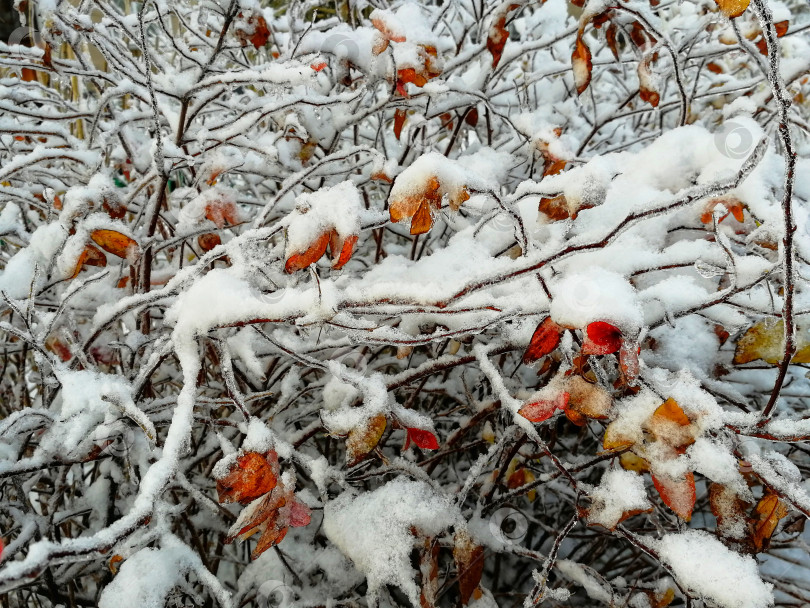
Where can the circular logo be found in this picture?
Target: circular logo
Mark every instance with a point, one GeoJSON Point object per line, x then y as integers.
{"type": "Point", "coordinates": [342, 46]}
{"type": "Point", "coordinates": [274, 594]}
{"type": "Point", "coordinates": [508, 525]}
{"type": "Point", "coordinates": [19, 35]}
{"type": "Point", "coordinates": [734, 140]}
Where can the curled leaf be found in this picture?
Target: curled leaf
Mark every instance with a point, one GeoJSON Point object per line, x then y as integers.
{"type": "Point", "coordinates": [581, 64]}
{"type": "Point", "coordinates": [601, 339]}
{"type": "Point", "coordinates": [544, 340]}
{"type": "Point", "coordinates": [299, 261]}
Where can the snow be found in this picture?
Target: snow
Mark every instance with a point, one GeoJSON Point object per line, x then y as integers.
{"type": "Point", "coordinates": [706, 567]}
{"type": "Point", "coordinates": [619, 492]}
{"type": "Point", "coordinates": [373, 530]}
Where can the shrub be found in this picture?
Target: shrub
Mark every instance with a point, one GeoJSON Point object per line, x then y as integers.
{"type": "Point", "coordinates": [470, 303]}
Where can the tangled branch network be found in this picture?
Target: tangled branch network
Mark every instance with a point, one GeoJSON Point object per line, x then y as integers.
{"type": "Point", "coordinates": [394, 303]}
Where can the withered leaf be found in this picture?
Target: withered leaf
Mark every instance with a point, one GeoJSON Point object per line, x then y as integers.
{"type": "Point", "coordinates": [251, 476]}
{"type": "Point", "coordinates": [114, 242]}
{"type": "Point", "coordinates": [363, 439]}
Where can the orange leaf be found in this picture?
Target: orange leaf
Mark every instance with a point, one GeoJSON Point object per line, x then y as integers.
{"type": "Point", "coordinates": [114, 242]}
{"type": "Point", "coordinates": [732, 8]}
{"type": "Point", "coordinates": [554, 208]}
{"type": "Point", "coordinates": [90, 256]}
{"type": "Point", "coordinates": [423, 439]}
{"type": "Point", "coordinates": [544, 340]}
{"type": "Point", "coordinates": [318, 66]}
{"type": "Point", "coordinates": [781, 28]}
{"type": "Point", "coordinates": [678, 494]}
{"type": "Point", "coordinates": [341, 253]}
{"type": "Point", "coordinates": [422, 220]}
{"type": "Point", "coordinates": [646, 89]}
{"type": "Point", "coordinates": [767, 514]}
{"type": "Point", "coordinates": [299, 261]}
{"type": "Point", "coordinates": [363, 439]}
{"type": "Point", "coordinates": [581, 64]}
{"type": "Point", "coordinates": [469, 558]}
{"type": "Point", "coordinates": [252, 475]}
{"type": "Point", "coordinates": [386, 31]}
{"type": "Point", "coordinates": [399, 120]}
{"type": "Point", "coordinates": [59, 348]}
{"type": "Point", "coordinates": [614, 441]}
{"type": "Point", "coordinates": [601, 339]}
{"type": "Point", "coordinates": [222, 212]}
{"type": "Point", "coordinates": [610, 37]}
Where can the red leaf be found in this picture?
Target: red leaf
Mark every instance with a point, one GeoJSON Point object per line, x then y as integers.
{"type": "Point", "coordinates": [543, 409]}
{"type": "Point", "coordinates": [601, 339]}
{"type": "Point", "coordinates": [300, 514]}
{"type": "Point", "coordinates": [544, 340]}
{"type": "Point", "coordinates": [678, 494]}
{"type": "Point", "coordinates": [318, 66]}
{"type": "Point", "coordinates": [423, 439]}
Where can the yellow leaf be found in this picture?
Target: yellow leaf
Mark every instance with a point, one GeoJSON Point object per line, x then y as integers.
{"type": "Point", "coordinates": [732, 8]}
{"type": "Point", "coordinates": [363, 439]}
{"type": "Point", "coordinates": [765, 340]}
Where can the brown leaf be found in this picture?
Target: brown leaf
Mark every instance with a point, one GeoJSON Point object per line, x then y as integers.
{"type": "Point", "coordinates": [251, 476]}
{"type": "Point", "coordinates": [471, 117]}
{"type": "Point", "coordinates": [469, 558]}
{"type": "Point", "coordinates": [732, 8]}
{"type": "Point", "coordinates": [363, 439]}
{"type": "Point", "coordinates": [222, 212]}
{"type": "Point", "coordinates": [728, 508]}
{"type": "Point", "coordinates": [429, 569]}
{"type": "Point", "coordinates": [114, 242]}
{"type": "Point", "coordinates": [678, 494]}
{"type": "Point", "coordinates": [610, 38]}
{"type": "Point", "coordinates": [581, 64]}
{"type": "Point", "coordinates": [208, 241]}
{"type": "Point", "coordinates": [399, 121]}
{"type": "Point", "coordinates": [646, 85]}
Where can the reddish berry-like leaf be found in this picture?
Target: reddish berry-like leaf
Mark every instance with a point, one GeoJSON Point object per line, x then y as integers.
{"type": "Point", "coordinates": [601, 339]}
{"type": "Point", "coordinates": [423, 439]}
{"type": "Point", "coordinates": [544, 340]}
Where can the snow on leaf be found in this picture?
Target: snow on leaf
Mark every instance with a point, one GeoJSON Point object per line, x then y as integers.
{"type": "Point", "coordinates": [581, 64]}
{"type": "Point", "coordinates": [543, 409]}
{"type": "Point", "coordinates": [251, 476]}
{"type": "Point", "coordinates": [732, 8]}
{"type": "Point", "coordinates": [588, 399]}
{"type": "Point", "coordinates": [678, 494]}
{"type": "Point", "coordinates": [601, 338]}
{"type": "Point", "coordinates": [469, 558]}
{"type": "Point", "coordinates": [361, 440]}
{"type": "Point", "coordinates": [619, 496]}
